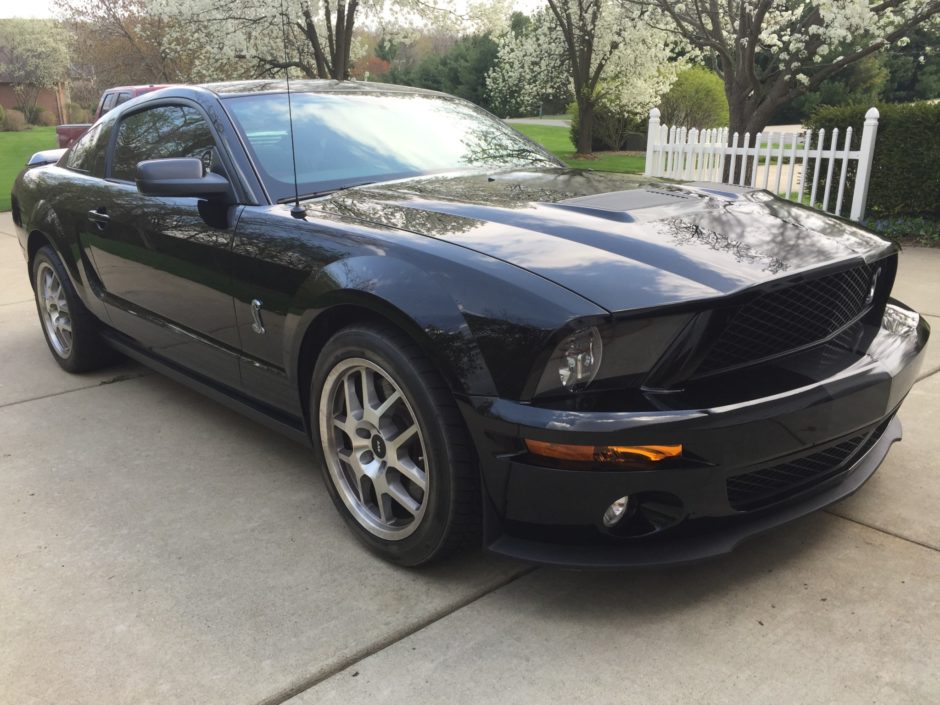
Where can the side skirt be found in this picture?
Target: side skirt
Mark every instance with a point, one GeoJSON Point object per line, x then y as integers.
{"type": "Point", "coordinates": [290, 426]}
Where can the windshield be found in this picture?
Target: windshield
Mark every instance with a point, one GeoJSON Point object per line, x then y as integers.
{"type": "Point", "coordinates": [344, 139]}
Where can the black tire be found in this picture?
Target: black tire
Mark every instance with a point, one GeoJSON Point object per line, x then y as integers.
{"type": "Point", "coordinates": [451, 513]}
{"type": "Point", "coordinates": [86, 350]}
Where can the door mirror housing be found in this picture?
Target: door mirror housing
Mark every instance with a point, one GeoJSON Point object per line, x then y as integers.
{"type": "Point", "coordinates": [46, 156]}
{"type": "Point", "coordinates": [179, 177]}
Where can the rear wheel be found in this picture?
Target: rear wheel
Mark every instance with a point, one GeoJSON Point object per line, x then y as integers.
{"type": "Point", "coordinates": [396, 456]}
{"type": "Point", "coordinates": [71, 331]}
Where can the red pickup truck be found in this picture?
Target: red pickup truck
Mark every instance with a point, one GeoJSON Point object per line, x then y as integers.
{"type": "Point", "coordinates": [68, 134]}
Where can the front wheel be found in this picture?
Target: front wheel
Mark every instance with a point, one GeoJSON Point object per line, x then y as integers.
{"type": "Point", "coordinates": [396, 457]}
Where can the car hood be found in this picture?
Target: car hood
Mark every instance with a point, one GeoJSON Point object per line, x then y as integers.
{"type": "Point", "coordinates": [619, 240]}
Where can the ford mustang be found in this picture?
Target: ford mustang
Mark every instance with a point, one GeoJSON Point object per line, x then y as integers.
{"type": "Point", "coordinates": [479, 344]}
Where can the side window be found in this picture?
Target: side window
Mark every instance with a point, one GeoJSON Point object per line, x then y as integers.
{"type": "Point", "coordinates": [108, 102]}
{"type": "Point", "coordinates": [159, 133]}
{"type": "Point", "coordinates": [123, 98]}
{"type": "Point", "coordinates": [87, 155]}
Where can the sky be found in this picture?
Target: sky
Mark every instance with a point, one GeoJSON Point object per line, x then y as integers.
{"type": "Point", "coordinates": [25, 8]}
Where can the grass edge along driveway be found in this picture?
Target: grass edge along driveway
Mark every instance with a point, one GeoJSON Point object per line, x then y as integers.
{"type": "Point", "coordinates": [15, 149]}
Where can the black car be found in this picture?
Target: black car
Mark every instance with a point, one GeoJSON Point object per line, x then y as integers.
{"type": "Point", "coordinates": [479, 343]}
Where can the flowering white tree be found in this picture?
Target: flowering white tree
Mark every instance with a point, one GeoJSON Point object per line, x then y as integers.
{"type": "Point", "coordinates": [316, 37]}
{"type": "Point", "coordinates": [34, 57]}
{"type": "Point", "coordinates": [599, 51]}
{"type": "Point", "coordinates": [133, 41]}
{"type": "Point", "coordinates": [771, 51]}
{"type": "Point", "coordinates": [531, 68]}
{"type": "Point", "coordinates": [213, 40]}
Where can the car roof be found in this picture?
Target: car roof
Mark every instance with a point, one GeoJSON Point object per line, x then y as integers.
{"type": "Point", "coordinates": [235, 88]}
{"type": "Point", "coordinates": [136, 90]}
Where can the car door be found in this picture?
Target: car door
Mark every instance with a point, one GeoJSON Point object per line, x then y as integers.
{"type": "Point", "coordinates": [75, 193]}
{"type": "Point", "coordinates": [165, 262]}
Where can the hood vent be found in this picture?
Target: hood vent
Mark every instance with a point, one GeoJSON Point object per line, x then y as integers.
{"type": "Point", "coordinates": [617, 205]}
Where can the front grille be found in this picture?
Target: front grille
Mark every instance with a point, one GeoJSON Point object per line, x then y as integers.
{"type": "Point", "coordinates": [761, 488]}
{"type": "Point", "coordinates": [789, 319]}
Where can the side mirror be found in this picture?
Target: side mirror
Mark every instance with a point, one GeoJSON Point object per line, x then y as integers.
{"type": "Point", "coordinates": [47, 156]}
{"type": "Point", "coordinates": [179, 177]}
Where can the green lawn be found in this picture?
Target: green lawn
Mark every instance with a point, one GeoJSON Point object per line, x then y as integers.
{"type": "Point", "coordinates": [557, 141]}
{"type": "Point", "coordinates": [15, 149]}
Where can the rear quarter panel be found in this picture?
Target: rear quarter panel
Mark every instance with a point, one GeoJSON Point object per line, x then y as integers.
{"type": "Point", "coordinates": [49, 201]}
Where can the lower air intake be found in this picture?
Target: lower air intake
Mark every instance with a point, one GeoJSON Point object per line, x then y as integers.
{"type": "Point", "coordinates": [762, 488]}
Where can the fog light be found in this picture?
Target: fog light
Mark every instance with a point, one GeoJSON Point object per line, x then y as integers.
{"type": "Point", "coordinates": [616, 510]}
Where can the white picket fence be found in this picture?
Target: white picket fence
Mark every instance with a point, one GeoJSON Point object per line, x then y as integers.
{"type": "Point", "coordinates": [777, 161]}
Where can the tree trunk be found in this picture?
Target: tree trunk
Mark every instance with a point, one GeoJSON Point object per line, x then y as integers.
{"type": "Point", "coordinates": [584, 146]}
{"type": "Point", "coordinates": [26, 96]}
{"type": "Point", "coordinates": [752, 113]}
{"type": "Point", "coordinates": [748, 115]}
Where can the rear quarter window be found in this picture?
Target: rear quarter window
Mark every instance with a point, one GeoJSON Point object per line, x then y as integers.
{"type": "Point", "coordinates": [87, 155]}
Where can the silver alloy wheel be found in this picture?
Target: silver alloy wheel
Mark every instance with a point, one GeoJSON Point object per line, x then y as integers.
{"type": "Point", "coordinates": [54, 309]}
{"type": "Point", "coordinates": [374, 449]}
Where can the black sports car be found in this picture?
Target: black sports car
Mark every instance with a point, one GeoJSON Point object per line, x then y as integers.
{"type": "Point", "coordinates": [477, 342]}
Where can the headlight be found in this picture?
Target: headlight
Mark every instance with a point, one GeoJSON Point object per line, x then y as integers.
{"type": "Point", "coordinates": [608, 355]}
{"type": "Point", "coordinates": [577, 359]}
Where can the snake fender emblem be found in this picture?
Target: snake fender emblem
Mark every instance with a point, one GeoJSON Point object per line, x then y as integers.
{"type": "Point", "coordinates": [257, 325]}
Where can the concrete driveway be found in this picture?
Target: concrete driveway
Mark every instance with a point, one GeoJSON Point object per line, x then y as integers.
{"type": "Point", "coordinates": [157, 548]}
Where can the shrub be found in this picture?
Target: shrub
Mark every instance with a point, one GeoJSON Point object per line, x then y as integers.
{"type": "Point", "coordinates": [31, 114]}
{"type": "Point", "coordinates": [613, 130]}
{"type": "Point", "coordinates": [918, 230]}
{"type": "Point", "coordinates": [696, 99]}
{"type": "Point", "coordinates": [905, 179]}
{"type": "Point", "coordinates": [78, 114]}
{"type": "Point", "coordinates": [14, 121]}
{"type": "Point", "coordinates": [1, 117]}
{"type": "Point", "coordinates": [46, 119]}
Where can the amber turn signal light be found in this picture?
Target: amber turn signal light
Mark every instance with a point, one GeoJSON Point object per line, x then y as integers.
{"type": "Point", "coordinates": [602, 454]}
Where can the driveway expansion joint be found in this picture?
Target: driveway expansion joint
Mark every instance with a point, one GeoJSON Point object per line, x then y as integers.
{"type": "Point", "coordinates": [887, 532]}
{"type": "Point", "coordinates": [100, 383]}
{"type": "Point", "coordinates": [315, 679]}
{"type": "Point", "coordinates": [926, 376]}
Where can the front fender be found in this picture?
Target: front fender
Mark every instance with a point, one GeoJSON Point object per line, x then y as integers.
{"type": "Point", "coordinates": [413, 300]}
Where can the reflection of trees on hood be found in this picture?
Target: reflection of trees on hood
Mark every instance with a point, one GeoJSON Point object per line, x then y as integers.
{"type": "Point", "coordinates": [684, 232]}
{"type": "Point", "coordinates": [392, 210]}
{"type": "Point", "coordinates": [510, 192]}
{"type": "Point", "coordinates": [521, 187]}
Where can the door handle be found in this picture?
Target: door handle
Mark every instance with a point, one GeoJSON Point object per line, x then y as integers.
{"type": "Point", "coordinates": [99, 217]}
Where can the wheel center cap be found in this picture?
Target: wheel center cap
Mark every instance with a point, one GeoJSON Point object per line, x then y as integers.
{"type": "Point", "coordinates": [378, 446]}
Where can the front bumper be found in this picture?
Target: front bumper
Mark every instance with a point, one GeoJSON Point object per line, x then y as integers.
{"type": "Point", "coordinates": [553, 515]}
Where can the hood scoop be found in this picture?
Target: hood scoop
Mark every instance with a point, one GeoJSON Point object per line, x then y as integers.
{"type": "Point", "coordinates": [617, 205]}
